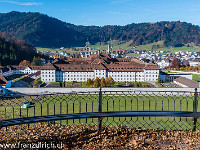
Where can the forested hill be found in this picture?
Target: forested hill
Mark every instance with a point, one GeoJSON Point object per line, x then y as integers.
{"type": "Point", "coordinates": [44, 31]}
{"type": "Point", "coordinates": [13, 51]}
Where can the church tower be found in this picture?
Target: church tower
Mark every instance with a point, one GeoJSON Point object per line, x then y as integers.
{"type": "Point", "coordinates": [87, 49]}
{"type": "Point", "coordinates": [110, 49]}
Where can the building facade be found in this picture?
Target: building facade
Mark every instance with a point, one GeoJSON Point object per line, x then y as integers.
{"type": "Point", "coordinates": [100, 65]}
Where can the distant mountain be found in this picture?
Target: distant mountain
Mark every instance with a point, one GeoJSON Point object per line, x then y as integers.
{"type": "Point", "coordinates": [44, 31]}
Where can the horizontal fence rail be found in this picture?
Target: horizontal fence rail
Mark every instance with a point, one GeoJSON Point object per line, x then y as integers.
{"type": "Point", "coordinates": [135, 108]}
{"type": "Point", "coordinates": [25, 120]}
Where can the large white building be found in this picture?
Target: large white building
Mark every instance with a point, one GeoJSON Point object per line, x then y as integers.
{"type": "Point", "coordinates": [99, 65]}
{"type": "Point", "coordinates": [10, 70]}
{"type": "Point", "coordinates": [92, 66]}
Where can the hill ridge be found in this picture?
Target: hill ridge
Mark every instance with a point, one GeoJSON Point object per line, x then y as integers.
{"type": "Point", "coordinates": [44, 31]}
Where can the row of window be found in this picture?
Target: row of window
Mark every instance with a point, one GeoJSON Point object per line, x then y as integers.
{"type": "Point", "coordinates": [116, 79]}
{"type": "Point", "coordinates": [152, 75]}
{"type": "Point", "coordinates": [99, 73]}
{"type": "Point", "coordinates": [127, 76]}
{"type": "Point", "coordinates": [127, 79]}
{"type": "Point", "coordinates": [151, 72]}
{"type": "Point", "coordinates": [72, 79]}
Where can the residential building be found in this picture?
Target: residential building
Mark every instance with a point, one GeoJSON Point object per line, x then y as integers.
{"type": "Point", "coordinates": [10, 70]}
{"type": "Point", "coordinates": [163, 63]}
{"type": "Point", "coordinates": [194, 63]}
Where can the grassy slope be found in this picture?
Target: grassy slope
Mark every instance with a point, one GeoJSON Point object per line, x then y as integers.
{"type": "Point", "coordinates": [126, 46]}
{"type": "Point", "coordinates": [77, 104]}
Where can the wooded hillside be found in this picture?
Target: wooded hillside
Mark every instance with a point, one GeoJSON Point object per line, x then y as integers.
{"type": "Point", "coordinates": [44, 31]}
{"type": "Point", "coordinates": [13, 51]}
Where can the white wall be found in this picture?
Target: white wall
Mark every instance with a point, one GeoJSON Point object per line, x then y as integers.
{"type": "Point", "coordinates": [118, 76]}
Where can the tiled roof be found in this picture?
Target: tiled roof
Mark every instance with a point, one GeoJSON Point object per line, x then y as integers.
{"type": "Point", "coordinates": [151, 66]}
{"type": "Point", "coordinates": [59, 61]}
{"type": "Point", "coordinates": [99, 66]}
{"type": "Point", "coordinates": [187, 82]}
{"type": "Point", "coordinates": [100, 62]}
{"type": "Point", "coordinates": [121, 67]}
{"type": "Point", "coordinates": [85, 67]}
{"type": "Point", "coordinates": [23, 67]}
{"type": "Point", "coordinates": [74, 67]}
{"type": "Point", "coordinates": [48, 66]}
{"type": "Point", "coordinates": [35, 67]}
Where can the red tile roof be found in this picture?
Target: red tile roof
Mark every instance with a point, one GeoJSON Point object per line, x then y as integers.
{"type": "Point", "coordinates": [103, 62]}
{"type": "Point", "coordinates": [48, 66]}
{"type": "Point", "coordinates": [151, 66]}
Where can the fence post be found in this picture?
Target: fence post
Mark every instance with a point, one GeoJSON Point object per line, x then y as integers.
{"type": "Point", "coordinates": [195, 108]}
{"type": "Point", "coordinates": [100, 109]}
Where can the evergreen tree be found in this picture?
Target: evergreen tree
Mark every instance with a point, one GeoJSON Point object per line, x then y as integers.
{"type": "Point", "coordinates": [107, 82]}
{"type": "Point", "coordinates": [103, 82]}
{"type": "Point", "coordinates": [36, 61]}
{"type": "Point", "coordinates": [139, 84]}
{"type": "Point", "coordinates": [88, 82]}
{"type": "Point", "coordinates": [97, 82]}
{"type": "Point", "coordinates": [111, 81]}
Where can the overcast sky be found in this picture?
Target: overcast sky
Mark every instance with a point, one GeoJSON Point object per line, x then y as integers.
{"type": "Point", "coordinates": [109, 12]}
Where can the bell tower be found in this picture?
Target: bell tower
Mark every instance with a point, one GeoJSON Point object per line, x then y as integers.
{"type": "Point", "coordinates": [110, 49]}
{"type": "Point", "coordinates": [87, 49]}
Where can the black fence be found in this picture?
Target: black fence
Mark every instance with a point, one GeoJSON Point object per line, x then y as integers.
{"type": "Point", "coordinates": [136, 109]}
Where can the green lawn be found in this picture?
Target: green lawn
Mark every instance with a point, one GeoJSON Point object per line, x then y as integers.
{"type": "Point", "coordinates": [196, 77]}
{"type": "Point", "coordinates": [46, 105]}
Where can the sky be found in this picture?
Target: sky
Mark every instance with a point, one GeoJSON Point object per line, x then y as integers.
{"type": "Point", "coordinates": [109, 12]}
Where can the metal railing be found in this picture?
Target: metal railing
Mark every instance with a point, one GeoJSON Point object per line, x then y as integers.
{"type": "Point", "coordinates": [138, 109]}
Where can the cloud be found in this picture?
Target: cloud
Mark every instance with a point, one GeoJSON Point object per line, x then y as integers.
{"type": "Point", "coordinates": [22, 3]}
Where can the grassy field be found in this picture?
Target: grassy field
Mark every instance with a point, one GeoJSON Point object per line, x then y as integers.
{"type": "Point", "coordinates": [46, 105]}
{"type": "Point", "coordinates": [147, 47]}
{"type": "Point", "coordinates": [196, 77]}
{"type": "Point", "coordinates": [126, 46]}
